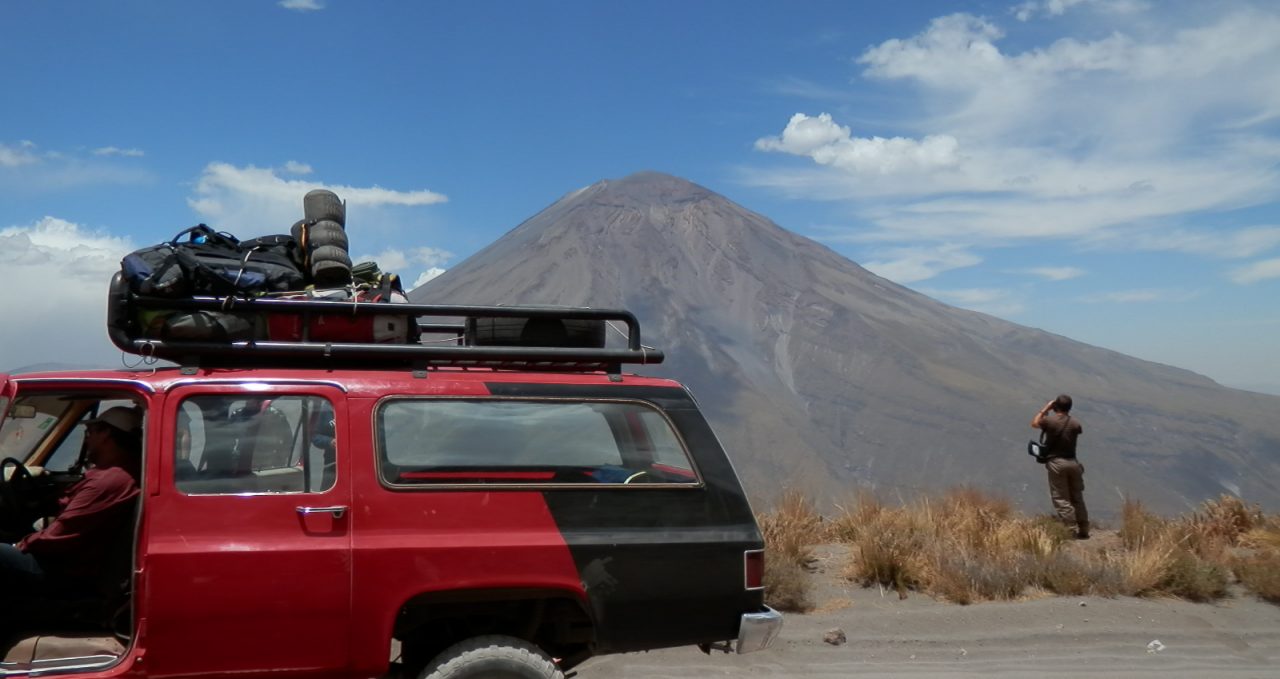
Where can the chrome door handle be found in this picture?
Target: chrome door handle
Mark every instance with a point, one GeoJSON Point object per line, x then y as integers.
{"type": "Point", "coordinates": [337, 511]}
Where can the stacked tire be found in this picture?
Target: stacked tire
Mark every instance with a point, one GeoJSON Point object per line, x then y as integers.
{"type": "Point", "coordinates": [322, 236]}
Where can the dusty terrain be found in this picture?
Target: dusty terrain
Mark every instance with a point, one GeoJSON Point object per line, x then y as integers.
{"type": "Point", "coordinates": [1052, 636]}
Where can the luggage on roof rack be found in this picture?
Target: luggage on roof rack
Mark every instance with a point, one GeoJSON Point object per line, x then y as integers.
{"type": "Point", "coordinates": [526, 337]}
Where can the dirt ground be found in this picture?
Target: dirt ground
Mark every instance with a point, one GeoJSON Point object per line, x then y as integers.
{"type": "Point", "coordinates": [1045, 637]}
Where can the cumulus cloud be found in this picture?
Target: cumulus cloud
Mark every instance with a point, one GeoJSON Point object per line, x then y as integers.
{"type": "Point", "coordinates": [827, 143]}
{"type": "Point", "coordinates": [1258, 271]}
{"type": "Point", "coordinates": [1127, 138]}
{"type": "Point", "coordinates": [302, 5]}
{"type": "Point", "coordinates": [294, 167]}
{"type": "Point", "coordinates": [249, 198]}
{"type": "Point", "coordinates": [116, 151]}
{"type": "Point", "coordinates": [427, 275]}
{"type": "Point", "coordinates": [72, 265]}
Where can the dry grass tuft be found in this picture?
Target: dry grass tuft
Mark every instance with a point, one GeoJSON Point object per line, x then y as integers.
{"type": "Point", "coordinates": [792, 526]}
{"type": "Point", "coordinates": [886, 551]}
{"type": "Point", "coordinates": [1137, 525]}
{"type": "Point", "coordinates": [789, 531]}
{"type": "Point", "coordinates": [852, 518]}
{"type": "Point", "coordinates": [1265, 536]}
{"type": "Point", "coordinates": [968, 545]}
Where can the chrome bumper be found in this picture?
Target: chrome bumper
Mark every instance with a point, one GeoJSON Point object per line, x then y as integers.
{"type": "Point", "coordinates": [758, 630]}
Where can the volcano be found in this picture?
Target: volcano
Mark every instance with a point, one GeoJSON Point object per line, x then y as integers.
{"type": "Point", "coordinates": [819, 375]}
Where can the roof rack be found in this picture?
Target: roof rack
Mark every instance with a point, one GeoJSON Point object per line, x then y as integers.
{"type": "Point", "coordinates": [124, 330]}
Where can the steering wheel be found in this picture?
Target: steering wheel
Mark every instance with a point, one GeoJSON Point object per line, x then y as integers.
{"type": "Point", "coordinates": [638, 476]}
{"type": "Point", "coordinates": [12, 503]}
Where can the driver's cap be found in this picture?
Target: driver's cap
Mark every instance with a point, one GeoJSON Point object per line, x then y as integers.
{"type": "Point", "coordinates": [124, 418]}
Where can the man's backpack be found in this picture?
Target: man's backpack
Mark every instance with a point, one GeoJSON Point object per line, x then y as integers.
{"type": "Point", "coordinates": [211, 263]}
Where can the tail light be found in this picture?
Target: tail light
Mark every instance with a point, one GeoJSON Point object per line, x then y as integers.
{"type": "Point", "coordinates": [753, 567]}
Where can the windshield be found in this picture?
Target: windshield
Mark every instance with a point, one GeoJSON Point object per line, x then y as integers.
{"type": "Point", "coordinates": [27, 423]}
{"type": "Point", "coordinates": [39, 430]}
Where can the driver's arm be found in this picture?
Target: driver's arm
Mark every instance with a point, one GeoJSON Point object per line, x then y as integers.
{"type": "Point", "coordinates": [87, 508]}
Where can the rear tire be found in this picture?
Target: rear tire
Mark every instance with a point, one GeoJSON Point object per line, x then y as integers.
{"type": "Point", "coordinates": [492, 657]}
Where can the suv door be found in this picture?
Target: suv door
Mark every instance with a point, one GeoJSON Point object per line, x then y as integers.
{"type": "Point", "coordinates": [248, 558]}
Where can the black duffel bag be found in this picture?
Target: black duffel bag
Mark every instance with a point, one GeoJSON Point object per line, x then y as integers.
{"type": "Point", "coordinates": [211, 263]}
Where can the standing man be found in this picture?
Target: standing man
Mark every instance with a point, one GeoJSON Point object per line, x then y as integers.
{"type": "Point", "coordinates": [1066, 474]}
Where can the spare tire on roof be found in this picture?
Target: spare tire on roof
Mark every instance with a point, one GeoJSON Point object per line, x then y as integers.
{"type": "Point", "coordinates": [326, 233]}
{"type": "Point", "coordinates": [320, 204]}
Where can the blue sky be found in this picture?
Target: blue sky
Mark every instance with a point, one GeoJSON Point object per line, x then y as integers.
{"type": "Point", "coordinates": [1102, 169]}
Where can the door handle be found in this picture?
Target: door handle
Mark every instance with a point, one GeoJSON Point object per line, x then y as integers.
{"type": "Point", "coordinates": [336, 511]}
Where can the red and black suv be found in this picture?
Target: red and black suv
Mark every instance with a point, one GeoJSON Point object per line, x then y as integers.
{"type": "Point", "coordinates": [504, 502]}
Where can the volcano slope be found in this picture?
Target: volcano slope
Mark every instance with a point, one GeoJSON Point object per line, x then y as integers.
{"type": "Point", "coordinates": [820, 375]}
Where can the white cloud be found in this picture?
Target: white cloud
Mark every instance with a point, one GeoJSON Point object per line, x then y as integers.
{"type": "Point", "coordinates": [1258, 271]}
{"type": "Point", "coordinates": [302, 5]}
{"type": "Point", "coordinates": [994, 301]}
{"type": "Point", "coordinates": [71, 266]}
{"type": "Point", "coordinates": [1054, 8]}
{"type": "Point", "coordinates": [1241, 243]}
{"type": "Point", "coordinates": [1076, 140]}
{"type": "Point", "coordinates": [14, 156]}
{"type": "Point", "coordinates": [1056, 273]}
{"type": "Point", "coordinates": [407, 262]}
{"type": "Point", "coordinates": [24, 167]}
{"type": "Point", "coordinates": [431, 256]}
{"type": "Point", "coordinates": [116, 151]}
{"type": "Point", "coordinates": [426, 276]}
{"type": "Point", "coordinates": [391, 260]}
{"type": "Point", "coordinates": [239, 197]}
{"type": "Point", "coordinates": [1139, 296]}
{"type": "Point", "coordinates": [827, 143]}
{"type": "Point", "coordinates": [911, 264]}
{"type": "Point", "coordinates": [294, 167]}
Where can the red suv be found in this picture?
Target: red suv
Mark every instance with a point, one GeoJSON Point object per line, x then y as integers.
{"type": "Point", "coordinates": [498, 504]}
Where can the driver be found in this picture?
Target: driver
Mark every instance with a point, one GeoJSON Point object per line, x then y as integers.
{"type": "Point", "coordinates": [93, 512]}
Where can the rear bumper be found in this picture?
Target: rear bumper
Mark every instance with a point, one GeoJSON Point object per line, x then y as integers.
{"type": "Point", "coordinates": [758, 630]}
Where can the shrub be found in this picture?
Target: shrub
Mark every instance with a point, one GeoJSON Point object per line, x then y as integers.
{"type": "Point", "coordinates": [1065, 574]}
{"type": "Point", "coordinates": [1260, 574]}
{"type": "Point", "coordinates": [966, 576]}
{"type": "Point", "coordinates": [1192, 577]}
{"type": "Point", "coordinates": [786, 585]}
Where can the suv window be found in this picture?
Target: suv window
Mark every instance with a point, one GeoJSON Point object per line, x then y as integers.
{"type": "Point", "coordinates": [467, 441]}
{"type": "Point", "coordinates": [259, 444]}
